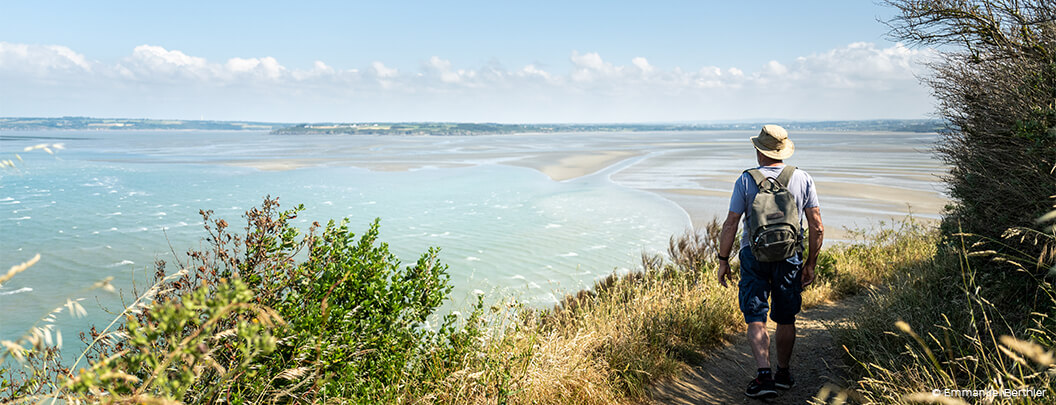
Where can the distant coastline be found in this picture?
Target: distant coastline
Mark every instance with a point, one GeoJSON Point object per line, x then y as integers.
{"type": "Point", "coordinates": [90, 123]}
{"type": "Point", "coordinates": [448, 128]}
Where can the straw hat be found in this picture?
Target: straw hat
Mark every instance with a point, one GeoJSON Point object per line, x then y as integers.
{"type": "Point", "coordinates": [773, 142]}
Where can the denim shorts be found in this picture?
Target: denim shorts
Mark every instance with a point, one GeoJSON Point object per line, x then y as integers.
{"type": "Point", "coordinates": [777, 282]}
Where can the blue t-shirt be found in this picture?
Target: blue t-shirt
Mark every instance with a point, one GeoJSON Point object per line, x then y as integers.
{"type": "Point", "coordinates": [801, 185]}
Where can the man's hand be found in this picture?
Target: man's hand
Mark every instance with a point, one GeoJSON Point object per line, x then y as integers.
{"type": "Point", "coordinates": [724, 272]}
{"type": "Point", "coordinates": [726, 236]}
{"type": "Point", "coordinates": [808, 274]}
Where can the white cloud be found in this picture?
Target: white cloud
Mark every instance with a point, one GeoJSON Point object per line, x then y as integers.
{"type": "Point", "coordinates": [858, 80]}
{"type": "Point", "coordinates": [262, 68]}
{"type": "Point", "coordinates": [383, 72]}
{"type": "Point", "coordinates": [149, 63]}
{"type": "Point", "coordinates": [41, 59]}
{"type": "Point", "coordinates": [442, 68]}
{"type": "Point", "coordinates": [439, 64]}
{"type": "Point", "coordinates": [709, 77]}
{"type": "Point", "coordinates": [533, 71]}
{"type": "Point", "coordinates": [319, 69]}
{"type": "Point", "coordinates": [158, 57]}
{"type": "Point", "coordinates": [590, 67]}
{"type": "Point", "coordinates": [590, 61]}
{"type": "Point", "coordinates": [775, 68]}
{"type": "Point", "coordinates": [242, 65]}
{"type": "Point", "coordinates": [862, 65]}
{"type": "Point", "coordinates": [642, 64]}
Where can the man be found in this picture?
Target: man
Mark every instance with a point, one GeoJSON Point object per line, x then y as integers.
{"type": "Point", "coordinates": [781, 281]}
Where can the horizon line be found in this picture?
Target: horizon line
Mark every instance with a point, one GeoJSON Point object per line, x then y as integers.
{"type": "Point", "coordinates": [682, 122]}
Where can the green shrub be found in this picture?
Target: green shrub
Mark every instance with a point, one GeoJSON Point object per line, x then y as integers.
{"type": "Point", "coordinates": [355, 320]}
{"type": "Point", "coordinates": [161, 361]}
{"type": "Point", "coordinates": [995, 82]}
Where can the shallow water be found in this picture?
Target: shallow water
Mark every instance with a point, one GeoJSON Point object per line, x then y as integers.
{"type": "Point", "coordinates": [111, 203]}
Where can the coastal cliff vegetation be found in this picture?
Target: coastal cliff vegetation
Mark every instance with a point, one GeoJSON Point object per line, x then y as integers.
{"type": "Point", "coordinates": [274, 315]}
{"type": "Point", "coordinates": [980, 315]}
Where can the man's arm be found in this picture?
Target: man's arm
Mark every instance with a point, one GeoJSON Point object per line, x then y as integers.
{"type": "Point", "coordinates": [814, 240]}
{"type": "Point", "coordinates": [729, 232]}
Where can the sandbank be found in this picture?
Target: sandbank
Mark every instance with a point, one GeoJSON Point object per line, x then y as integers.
{"type": "Point", "coordinates": [695, 171]}
{"type": "Point", "coordinates": [372, 165]}
{"type": "Point", "coordinates": [273, 165]}
{"type": "Point", "coordinates": [567, 166]}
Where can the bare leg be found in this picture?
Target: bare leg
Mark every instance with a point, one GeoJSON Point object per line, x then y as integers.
{"type": "Point", "coordinates": [786, 338]}
{"type": "Point", "coordinates": [760, 342]}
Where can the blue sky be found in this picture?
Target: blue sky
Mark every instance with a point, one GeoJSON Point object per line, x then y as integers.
{"type": "Point", "coordinates": [541, 61]}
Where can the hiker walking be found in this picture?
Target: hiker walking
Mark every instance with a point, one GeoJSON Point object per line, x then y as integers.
{"type": "Point", "coordinates": [774, 199]}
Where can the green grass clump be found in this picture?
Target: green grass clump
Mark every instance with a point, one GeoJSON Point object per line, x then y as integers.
{"type": "Point", "coordinates": [874, 257]}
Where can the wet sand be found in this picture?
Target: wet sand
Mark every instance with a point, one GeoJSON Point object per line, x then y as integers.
{"type": "Point", "coordinates": [562, 167]}
{"type": "Point", "coordinates": [847, 203]}
{"type": "Point", "coordinates": [857, 189]}
{"type": "Point", "coordinates": [559, 166]}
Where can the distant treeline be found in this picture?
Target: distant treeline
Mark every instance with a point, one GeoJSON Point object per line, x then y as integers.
{"type": "Point", "coordinates": [438, 128]}
{"type": "Point", "coordinates": [88, 123]}
{"type": "Point", "coordinates": [446, 128]}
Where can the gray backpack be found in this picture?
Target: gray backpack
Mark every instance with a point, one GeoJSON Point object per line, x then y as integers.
{"type": "Point", "coordinates": [773, 224]}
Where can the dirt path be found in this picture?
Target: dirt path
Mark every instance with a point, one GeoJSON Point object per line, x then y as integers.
{"type": "Point", "coordinates": [723, 375]}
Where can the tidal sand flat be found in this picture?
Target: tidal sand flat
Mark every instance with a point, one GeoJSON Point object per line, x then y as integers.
{"type": "Point", "coordinates": [862, 177]}
{"type": "Point", "coordinates": [562, 166]}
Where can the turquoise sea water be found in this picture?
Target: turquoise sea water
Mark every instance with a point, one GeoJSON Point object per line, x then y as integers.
{"type": "Point", "coordinates": [111, 203]}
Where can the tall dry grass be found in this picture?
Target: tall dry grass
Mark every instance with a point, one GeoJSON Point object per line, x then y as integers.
{"type": "Point", "coordinates": [874, 256]}
{"type": "Point", "coordinates": [607, 344]}
{"type": "Point", "coordinates": [939, 328]}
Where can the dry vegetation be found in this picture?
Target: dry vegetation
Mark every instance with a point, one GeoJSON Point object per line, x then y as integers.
{"type": "Point", "coordinates": [937, 326]}
{"type": "Point", "coordinates": [981, 314]}
{"type": "Point", "coordinates": [197, 337]}
{"type": "Point", "coordinates": [272, 316]}
{"type": "Point", "coordinates": [606, 344]}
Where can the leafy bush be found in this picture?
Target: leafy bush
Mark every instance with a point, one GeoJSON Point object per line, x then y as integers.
{"type": "Point", "coordinates": [979, 314]}
{"type": "Point", "coordinates": [161, 361]}
{"type": "Point", "coordinates": [355, 320]}
{"type": "Point", "coordinates": [995, 83]}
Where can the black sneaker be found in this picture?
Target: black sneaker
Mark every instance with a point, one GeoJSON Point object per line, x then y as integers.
{"type": "Point", "coordinates": [783, 379]}
{"type": "Point", "coordinates": [761, 388]}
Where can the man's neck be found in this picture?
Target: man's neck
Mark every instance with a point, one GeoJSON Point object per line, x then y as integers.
{"type": "Point", "coordinates": [764, 160]}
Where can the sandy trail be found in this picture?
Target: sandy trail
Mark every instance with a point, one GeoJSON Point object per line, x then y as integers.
{"type": "Point", "coordinates": [724, 373]}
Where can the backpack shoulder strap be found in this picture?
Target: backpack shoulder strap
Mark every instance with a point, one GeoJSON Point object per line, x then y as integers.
{"type": "Point", "coordinates": [786, 175]}
{"type": "Point", "coordinates": [757, 176]}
